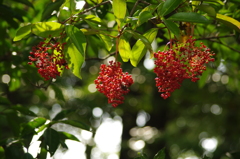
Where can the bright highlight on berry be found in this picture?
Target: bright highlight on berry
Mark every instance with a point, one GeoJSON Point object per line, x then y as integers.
{"type": "Point", "coordinates": [113, 83]}
{"type": "Point", "coordinates": [182, 61]}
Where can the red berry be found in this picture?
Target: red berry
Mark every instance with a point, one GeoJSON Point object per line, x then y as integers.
{"type": "Point", "coordinates": [113, 83]}
{"type": "Point", "coordinates": [182, 61]}
{"type": "Point", "coordinates": [48, 58]}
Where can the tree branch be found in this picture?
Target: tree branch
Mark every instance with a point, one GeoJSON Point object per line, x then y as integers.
{"type": "Point", "coordinates": [89, 9]}
{"type": "Point", "coordinates": [225, 45]}
{"type": "Point", "coordinates": [215, 37]}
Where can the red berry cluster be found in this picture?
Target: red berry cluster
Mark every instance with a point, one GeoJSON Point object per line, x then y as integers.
{"type": "Point", "coordinates": [182, 61]}
{"type": "Point", "coordinates": [49, 59]}
{"type": "Point", "coordinates": [113, 83]}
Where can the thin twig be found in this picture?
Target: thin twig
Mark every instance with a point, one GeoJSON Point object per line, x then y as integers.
{"type": "Point", "coordinates": [215, 37]}
{"type": "Point", "coordinates": [89, 9]}
{"type": "Point", "coordinates": [41, 85]}
{"type": "Point", "coordinates": [85, 11]}
{"type": "Point", "coordinates": [225, 45]}
{"type": "Point", "coordinates": [144, 2]}
{"type": "Point", "coordinates": [133, 9]}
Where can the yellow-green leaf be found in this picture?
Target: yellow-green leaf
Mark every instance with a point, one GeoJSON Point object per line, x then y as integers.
{"type": "Point", "coordinates": [119, 9]}
{"type": "Point", "coordinates": [23, 32]}
{"type": "Point", "coordinates": [230, 22]}
{"type": "Point", "coordinates": [188, 17]}
{"type": "Point", "coordinates": [124, 49]}
{"type": "Point", "coordinates": [107, 41]}
{"type": "Point", "coordinates": [44, 29]}
{"type": "Point", "coordinates": [140, 47]}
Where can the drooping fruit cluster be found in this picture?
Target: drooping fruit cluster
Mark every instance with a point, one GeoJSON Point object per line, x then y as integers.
{"type": "Point", "coordinates": [182, 61]}
{"type": "Point", "coordinates": [49, 59]}
{"type": "Point", "coordinates": [113, 83]}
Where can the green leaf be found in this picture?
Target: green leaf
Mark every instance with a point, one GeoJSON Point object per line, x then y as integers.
{"type": "Point", "coordinates": [160, 154]}
{"type": "Point", "coordinates": [52, 140]}
{"type": "Point", "coordinates": [58, 92]}
{"type": "Point", "coordinates": [32, 125]}
{"type": "Point", "coordinates": [44, 29]}
{"type": "Point", "coordinates": [119, 10]}
{"type": "Point", "coordinates": [14, 150]}
{"type": "Point", "coordinates": [140, 47]}
{"type": "Point", "coordinates": [27, 156]}
{"type": "Point", "coordinates": [228, 21]}
{"type": "Point", "coordinates": [74, 58]}
{"type": "Point", "coordinates": [173, 28]}
{"type": "Point", "coordinates": [188, 17]}
{"type": "Point", "coordinates": [14, 84]}
{"type": "Point", "coordinates": [169, 6]}
{"type": "Point", "coordinates": [107, 41]}
{"type": "Point", "coordinates": [75, 49]}
{"type": "Point", "coordinates": [141, 156]}
{"type": "Point", "coordinates": [77, 38]}
{"type": "Point", "coordinates": [124, 49]}
{"type": "Point", "coordinates": [4, 101]}
{"type": "Point", "coordinates": [74, 123]}
{"type": "Point", "coordinates": [207, 9]}
{"type": "Point", "coordinates": [23, 110]}
{"type": "Point", "coordinates": [48, 10]}
{"type": "Point", "coordinates": [90, 31]}
{"type": "Point", "coordinates": [26, 2]}
{"type": "Point", "coordinates": [22, 32]}
{"type": "Point", "coordinates": [61, 115]}
{"type": "Point", "coordinates": [144, 17]}
{"type": "Point", "coordinates": [64, 136]}
{"type": "Point", "coordinates": [2, 154]}
{"type": "Point", "coordinates": [94, 19]}
{"type": "Point", "coordinates": [43, 153]}
{"type": "Point", "coordinates": [203, 78]}
{"type": "Point", "coordinates": [217, 1]}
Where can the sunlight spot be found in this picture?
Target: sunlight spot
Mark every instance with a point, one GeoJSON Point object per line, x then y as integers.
{"type": "Point", "coordinates": [136, 71]}
{"type": "Point", "coordinates": [142, 118]}
{"type": "Point", "coordinates": [92, 88]}
{"type": "Point", "coordinates": [65, 8]}
{"type": "Point", "coordinates": [34, 109]}
{"type": "Point", "coordinates": [86, 135]}
{"type": "Point", "coordinates": [216, 77]}
{"type": "Point", "coordinates": [224, 79]}
{"type": "Point", "coordinates": [97, 112]}
{"type": "Point", "coordinates": [216, 109]}
{"type": "Point", "coordinates": [56, 108]}
{"type": "Point", "coordinates": [80, 4]}
{"type": "Point", "coordinates": [136, 145]}
{"type": "Point", "coordinates": [141, 79]}
{"type": "Point", "coordinates": [222, 66]}
{"type": "Point", "coordinates": [93, 70]}
{"type": "Point", "coordinates": [6, 78]}
{"type": "Point", "coordinates": [148, 64]}
{"type": "Point", "coordinates": [14, 53]}
{"type": "Point", "coordinates": [112, 156]}
{"type": "Point", "coordinates": [13, 66]}
{"type": "Point", "coordinates": [108, 136]}
{"type": "Point", "coordinates": [52, 94]}
{"type": "Point", "coordinates": [209, 144]}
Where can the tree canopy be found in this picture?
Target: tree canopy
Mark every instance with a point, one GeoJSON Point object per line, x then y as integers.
{"type": "Point", "coordinates": [167, 70]}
